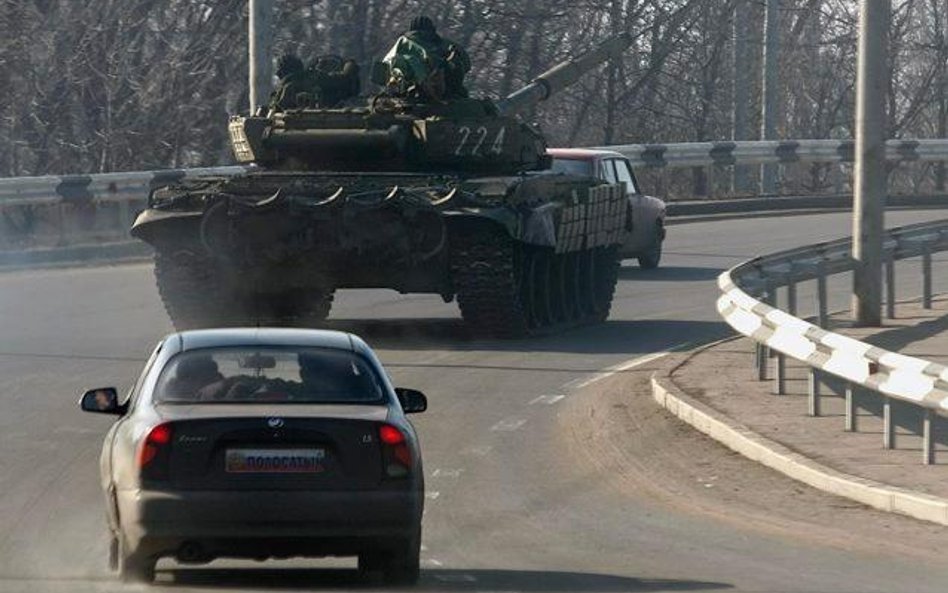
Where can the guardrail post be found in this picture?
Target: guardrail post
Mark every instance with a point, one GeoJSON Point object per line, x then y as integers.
{"type": "Point", "coordinates": [890, 286]}
{"type": "Point", "coordinates": [780, 374]}
{"type": "Point", "coordinates": [888, 425]}
{"type": "Point", "coordinates": [760, 361]}
{"type": "Point", "coordinates": [928, 438]}
{"type": "Point", "coordinates": [821, 296]}
{"type": "Point", "coordinates": [763, 352]}
{"type": "Point", "coordinates": [780, 360]}
{"type": "Point", "coordinates": [927, 276]}
{"type": "Point", "coordinates": [813, 396]}
{"type": "Point", "coordinates": [851, 407]}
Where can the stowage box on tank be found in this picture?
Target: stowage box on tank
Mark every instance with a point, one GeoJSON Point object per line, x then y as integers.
{"type": "Point", "coordinates": [451, 197]}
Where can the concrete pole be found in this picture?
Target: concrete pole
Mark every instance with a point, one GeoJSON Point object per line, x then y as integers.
{"type": "Point", "coordinates": [259, 38]}
{"type": "Point", "coordinates": [742, 90]}
{"type": "Point", "coordinates": [870, 171]}
{"type": "Point", "coordinates": [768, 119]}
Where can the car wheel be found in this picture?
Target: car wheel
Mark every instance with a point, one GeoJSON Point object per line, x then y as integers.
{"type": "Point", "coordinates": [370, 562]}
{"type": "Point", "coordinates": [113, 553]}
{"type": "Point", "coordinates": [649, 259]}
{"type": "Point", "coordinates": [403, 566]}
{"type": "Point", "coordinates": [134, 567]}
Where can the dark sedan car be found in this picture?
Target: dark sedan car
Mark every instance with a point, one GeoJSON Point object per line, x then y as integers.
{"type": "Point", "coordinates": [262, 443]}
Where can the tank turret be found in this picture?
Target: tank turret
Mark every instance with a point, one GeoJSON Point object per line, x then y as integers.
{"type": "Point", "coordinates": [474, 135]}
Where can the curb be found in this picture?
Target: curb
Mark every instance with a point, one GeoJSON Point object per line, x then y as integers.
{"type": "Point", "coordinates": [743, 440]}
{"type": "Point", "coordinates": [784, 203]}
{"type": "Point", "coordinates": [77, 255]}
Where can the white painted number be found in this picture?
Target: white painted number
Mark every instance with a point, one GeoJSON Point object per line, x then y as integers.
{"type": "Point", "coordinates": [496, 147]}
{"type": "Point", "coordinates": [465, 133]}
{"type": "Point", "coordinates": [483, 132]}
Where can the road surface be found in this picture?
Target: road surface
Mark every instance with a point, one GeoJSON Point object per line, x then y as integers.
{"type": "Point", "coordinates": [548, 468]}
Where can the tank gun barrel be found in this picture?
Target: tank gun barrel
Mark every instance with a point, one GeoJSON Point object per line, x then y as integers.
{"type": "Point", "coordinates": [563, 75]}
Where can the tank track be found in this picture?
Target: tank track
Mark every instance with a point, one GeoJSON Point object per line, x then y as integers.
{"type": "Point", "coordinates": [508, 289]}
{"type": "Point", "coordinates": [195, 297]}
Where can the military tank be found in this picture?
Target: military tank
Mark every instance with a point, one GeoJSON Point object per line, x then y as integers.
{"type": "Point", "coordinates": [453, 198]}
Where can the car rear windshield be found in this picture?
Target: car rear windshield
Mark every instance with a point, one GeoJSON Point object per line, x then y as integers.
{"type": "Point", "coordinates": [252, 375]}
{"type": "Point", "coordinates": [571, 167]}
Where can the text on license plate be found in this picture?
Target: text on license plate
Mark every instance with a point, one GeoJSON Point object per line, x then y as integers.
{"type": "Point", "coordinates": [275, 461]}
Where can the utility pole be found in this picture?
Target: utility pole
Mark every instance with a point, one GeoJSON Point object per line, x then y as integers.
{"type": "Point", "coordinates": [870, 172]}
{"type": "Point", "coordinates": [259, 37]}
{"type": "Point", "coordinates": [768, 120]}
{"type": "Point", "coordinates": [742, 89]}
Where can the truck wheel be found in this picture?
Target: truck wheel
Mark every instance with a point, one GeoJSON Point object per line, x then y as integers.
{"type": "Point", "coordinates": [649, 259]}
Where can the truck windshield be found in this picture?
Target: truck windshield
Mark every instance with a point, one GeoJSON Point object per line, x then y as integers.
{"type": "Point", "coordinates": [256, 374]}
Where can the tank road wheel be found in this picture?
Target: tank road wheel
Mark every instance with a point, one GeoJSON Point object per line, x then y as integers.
{"type": "Point", "coordinates": [541, 287]}
{"type": "Point", "coordinates": [489, 271]}
{"type": "Point", "coordinates": [585, 281]}
{"type": "Point", "coordinates": [559, 289]}
{"type": "Point", "coordinates": [571, 280]}
{"type": "Point", "coordinates": [193, 295]}
{"type": "Point", "coordinates": [606, 277]}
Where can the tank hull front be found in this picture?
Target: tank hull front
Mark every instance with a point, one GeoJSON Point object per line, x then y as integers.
{"type": "Point", "coordinates": [271, 249]}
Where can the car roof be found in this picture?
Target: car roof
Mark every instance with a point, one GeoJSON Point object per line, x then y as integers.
{"type": "Point", "coordinates": [581, 154]}
{"type": "Point", "coordinates": [267, 336]}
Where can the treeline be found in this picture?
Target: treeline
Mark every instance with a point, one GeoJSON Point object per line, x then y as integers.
{"type": "Point", "coordinates": [106, 85]}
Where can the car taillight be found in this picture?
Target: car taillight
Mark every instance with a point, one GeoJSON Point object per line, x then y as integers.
{"type": "Point", "coordinates": [154, 455]}
{"type": "Point", "coordinates": [396, 454]}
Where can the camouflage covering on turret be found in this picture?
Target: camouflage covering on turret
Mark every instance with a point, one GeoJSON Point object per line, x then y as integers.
{"type": "Point", "coordinates": [451, 197]}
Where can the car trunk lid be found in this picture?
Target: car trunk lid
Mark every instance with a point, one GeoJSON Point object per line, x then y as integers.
{"type": "Point", "coordinates": [293, 447]}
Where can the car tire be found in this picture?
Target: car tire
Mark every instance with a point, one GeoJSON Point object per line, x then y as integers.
{"type": "Point", "coordinates": [650, 258]}
{"type": "Point", "coordinates": [370, 562]}
{"type": "Point", "coordinates": [135, 567]}
{"type": "Point", "coordinates": [403, 565]}
{"type": "Point", "coordinates": [113, 553]}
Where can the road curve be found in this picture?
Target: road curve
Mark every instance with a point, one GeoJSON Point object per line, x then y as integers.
{"type": "Point", "coordinates": [516, 501]}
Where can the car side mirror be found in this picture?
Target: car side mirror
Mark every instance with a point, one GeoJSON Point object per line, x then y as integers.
{"type": "Point", "coordinates": [103, 400]}
{"type": "Point", "coordinates": [412, 400]}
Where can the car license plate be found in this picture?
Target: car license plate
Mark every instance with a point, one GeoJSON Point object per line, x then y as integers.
{"type": "Point", "coordinates": [275, 461]}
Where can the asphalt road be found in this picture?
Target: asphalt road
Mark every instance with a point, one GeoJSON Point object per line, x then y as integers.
{"type": "Point", "coordinates": [512, 504]}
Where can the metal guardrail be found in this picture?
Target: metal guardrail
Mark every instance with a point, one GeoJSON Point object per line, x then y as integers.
{"type": "Point", "coordinates": [135, 185]}
{"type": "Point", "coordinates": [701, 154]}
{"type": "Point", "coordinates": [862, 366]}
{"type": "Point", "coordinates": [131, 185]}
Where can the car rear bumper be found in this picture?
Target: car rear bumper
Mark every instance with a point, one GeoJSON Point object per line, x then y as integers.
{"type": "Point", "coordinates": [223, 523]}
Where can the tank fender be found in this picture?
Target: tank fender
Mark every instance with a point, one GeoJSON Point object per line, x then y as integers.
{"type": "Point", "coordinates": [151, 223]}
{"type": "Point", "coordinates": [540, 226]}
{"type": "Point", "coordinates": [472, 219]}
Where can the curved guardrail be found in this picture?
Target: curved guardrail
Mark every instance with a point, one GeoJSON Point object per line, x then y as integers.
{"type": "Point", "coordinates": [748, 302]}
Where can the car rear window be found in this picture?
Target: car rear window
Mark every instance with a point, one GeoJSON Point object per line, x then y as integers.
{"type": "Point", "coordinates": [571, 167]}
{"type": "Point", "coordinates": [275, 375]}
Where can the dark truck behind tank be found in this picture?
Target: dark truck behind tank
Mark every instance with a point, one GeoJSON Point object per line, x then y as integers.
{"type": "Point", "coordinates": [453, 198]}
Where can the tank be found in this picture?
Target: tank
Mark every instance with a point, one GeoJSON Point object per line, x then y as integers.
{"type": "Point", "coordinates": [454, 198]}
